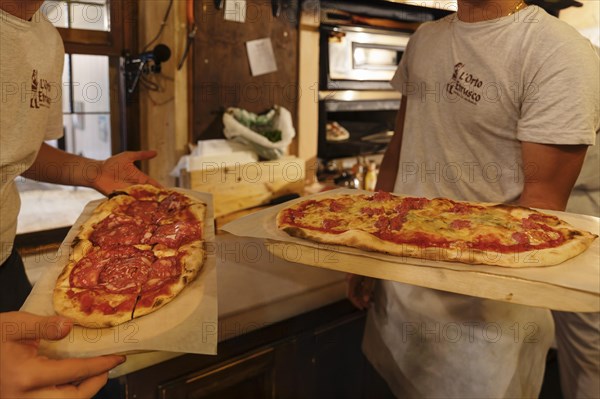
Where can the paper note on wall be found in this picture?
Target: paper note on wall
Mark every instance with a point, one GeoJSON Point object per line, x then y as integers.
{"type": "Point", "coordinates": [235, 10]}
{"type": "Point", "coordinates": [261, 56]}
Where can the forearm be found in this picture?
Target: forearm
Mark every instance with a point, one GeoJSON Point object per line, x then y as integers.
{"type": "Point", "coordinates": [541, 202]}
{"type": "Point", "coordinates": [388, 169]}
{"type": "Point", "coordinates": [549, 173]}
{"type": "Point", "coordinates": [59, 167]}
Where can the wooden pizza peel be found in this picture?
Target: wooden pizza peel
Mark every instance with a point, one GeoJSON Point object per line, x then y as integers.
{"type": "Point", "coordinates": [474, 283]}
{"type": "Point", "coordinates": [573, 285]}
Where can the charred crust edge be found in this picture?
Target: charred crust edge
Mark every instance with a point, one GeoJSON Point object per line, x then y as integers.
{"type": "Point", "coordinates": [116, 194]}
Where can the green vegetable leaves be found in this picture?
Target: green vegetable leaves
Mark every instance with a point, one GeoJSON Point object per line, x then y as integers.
{"type": "Point", "coordinates": [261, 124]}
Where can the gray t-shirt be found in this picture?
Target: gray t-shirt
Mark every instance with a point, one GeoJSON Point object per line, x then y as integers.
{"type": "Point", "coordinates": [31, 61]}
{"type": "Point", "coordinates": [475, 91]}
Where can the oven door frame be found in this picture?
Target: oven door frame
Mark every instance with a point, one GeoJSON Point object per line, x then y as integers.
{"type": "Point", "coordinates": [348, 76]}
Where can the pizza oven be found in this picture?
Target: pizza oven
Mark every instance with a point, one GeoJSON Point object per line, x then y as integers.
{"type": "Point", "coordinates": [360, 46]}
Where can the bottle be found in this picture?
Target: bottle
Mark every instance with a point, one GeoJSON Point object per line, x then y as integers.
{"type": "Point", "coordinates": [358, 170]}
{"type": "Point", "coordinates": [371, 176]}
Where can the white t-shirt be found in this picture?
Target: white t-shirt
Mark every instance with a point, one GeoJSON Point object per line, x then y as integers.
{"type": "Point", "coordinates": [31, 62]}
{"type": "Point", "coordinates": [475, 90]}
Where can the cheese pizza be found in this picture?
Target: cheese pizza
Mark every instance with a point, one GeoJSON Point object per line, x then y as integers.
{"type": "Point", "coordinates": [437, 229]}
{"type": "Point", "coordinates": [139, 249]}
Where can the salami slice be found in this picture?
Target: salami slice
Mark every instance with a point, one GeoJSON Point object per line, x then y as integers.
{"type": "Point", "coordinates": [127, 273]}
{"type": "Point", "coordinates": [176, 234]}
{"type": "Point", "coordinates": [120, 230]}
{"type": "Point", "coordinates": [143, 211]}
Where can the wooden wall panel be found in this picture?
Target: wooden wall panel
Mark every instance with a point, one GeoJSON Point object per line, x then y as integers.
{"type": "Point", "coordinates": [221, 72]}
{"type": "Point", "coordinates": [163, 113]}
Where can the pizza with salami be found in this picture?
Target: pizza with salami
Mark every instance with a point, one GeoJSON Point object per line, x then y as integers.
{"type": "Point", "coordinates": [437, 229]}
{"type": "Point", "coordinates": [139, 249]}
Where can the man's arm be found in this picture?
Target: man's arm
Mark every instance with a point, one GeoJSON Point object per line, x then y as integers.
{"type": "Point", "coordinates": [388, 169]}
{"type": "Point", "coordinates": [550, 172]}
{"type": "Point", "coordinates": [360, 288]}
{"type": "Point", "coordinates": [56, 166]}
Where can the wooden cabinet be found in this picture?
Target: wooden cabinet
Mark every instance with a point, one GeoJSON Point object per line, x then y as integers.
{"type": "Point", "coordinates": [315, 355]}
{"type": "Point", "coordinates": [339, 365]}
{"type": "Point", "coordinates": [251, 373]}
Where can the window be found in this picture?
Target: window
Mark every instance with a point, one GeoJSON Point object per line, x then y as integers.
{"type": "Point", "coordinates": [86, 14]}
{"type": "Point", "coordinates": [95, 33]}
{"type": "Point", "coordinates": [86, 105]}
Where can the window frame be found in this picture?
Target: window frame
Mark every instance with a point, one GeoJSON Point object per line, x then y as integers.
{"type": "Point", "coordinates": [124, 112]}
{"type": "Point", "coordinates": [83, 41]}
{"type": "Point", "coordinates": [121, 37]}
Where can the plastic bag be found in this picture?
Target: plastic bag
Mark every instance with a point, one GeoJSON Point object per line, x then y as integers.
{"type": "Point", "coordinates": [269, 134]}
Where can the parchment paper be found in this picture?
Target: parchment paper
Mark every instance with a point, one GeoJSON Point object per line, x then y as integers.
{"type": "Point", "coordinates": [580, 273]}
{"type": "Point", "coordinates": [187, 324]}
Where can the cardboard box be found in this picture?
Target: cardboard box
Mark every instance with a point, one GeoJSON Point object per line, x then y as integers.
{"type": "Point", "coordinates": [246, 185]}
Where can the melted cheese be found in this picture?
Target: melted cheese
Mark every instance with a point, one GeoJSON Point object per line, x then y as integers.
{"type": "Point", "coordinates": [441, 219]}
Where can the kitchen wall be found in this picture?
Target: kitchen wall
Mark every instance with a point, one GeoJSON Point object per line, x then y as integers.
{"type": "Point", "coordinates": [222, 74]}
{"type": "Point", "coordinates": [189, 103]}
{"type": "Point", "coordinates": [168, 121]}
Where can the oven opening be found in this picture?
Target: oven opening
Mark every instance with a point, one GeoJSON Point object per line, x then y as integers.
{"type": "Point", "coordinates": [369, 132]}
{"type": "Point", "coordinates": [375, 57]}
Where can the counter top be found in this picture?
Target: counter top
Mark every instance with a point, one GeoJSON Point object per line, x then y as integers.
{"type": "Point", "coordinates": [255, 289]}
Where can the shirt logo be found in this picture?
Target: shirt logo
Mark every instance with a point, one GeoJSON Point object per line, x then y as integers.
{"type": "Point", "coordinates": [41, 91]}
{"type": "Point", "coordinates": [464, 85]}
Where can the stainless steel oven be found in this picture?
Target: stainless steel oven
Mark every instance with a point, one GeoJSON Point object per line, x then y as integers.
{"type": "Point", "coordinates": [361, 44]}
{"type": "Point", "coordinates": [361, 58]}
{"type": "Point", "coordinates": [357, 64]}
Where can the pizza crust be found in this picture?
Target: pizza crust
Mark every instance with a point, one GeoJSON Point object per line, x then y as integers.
{"type": "Point", "coordinates": [198, 210]}
{"type": "Point", "coordinates": [368, 242]}
{"type": "Point", "coordinates": [193, 260]}
{"type": "Point", "coordinates": [66, 306]}
{"type": "Point", "coordinates": [140, 191]}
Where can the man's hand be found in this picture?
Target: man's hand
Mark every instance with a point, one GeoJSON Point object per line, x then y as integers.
{"type": "Point", "coordinates": [25, 374]}
{"type": "Point", "coordinates": [359, 290]}
{"type": "Point", "coordinates": [106, 176]}
{"type": "Point", "coordinates": [119, 171]}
